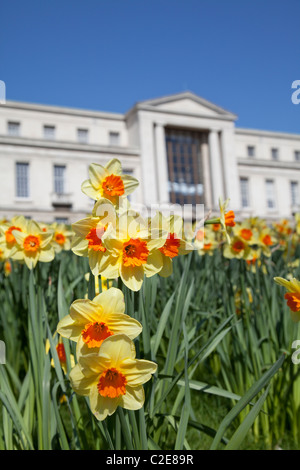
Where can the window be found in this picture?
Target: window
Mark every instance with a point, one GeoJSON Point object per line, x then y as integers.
{"type": "Point", "coordinates": [82, 136]}
{"type": "Point", "coordinates": [270, 191]}
{"type": "Point", "coordinates": [49, 132]}
{"type": "Point", "coordinates": [297, 155]}
{"type": "Point", "coordinates": [244, 183]}
{"type": "Point", "coordinates": [59, 179]}
{"type": "Point", "coordinates": [62, 220]}
{"type": "Point", "coordinates": [274, 154]}
{"type": "Point", "coordinates": [114, 138]}
{"type": "Point", "coordinates": [184, 166]}
{"type": "Point", "coordinates": [13, 128]}
{"type": "Point", "coordinates": [22, 183]}
{"type": "Point", "coordinates": [295, 193]}
{"type": "Point", "coordinates": [251, 151]}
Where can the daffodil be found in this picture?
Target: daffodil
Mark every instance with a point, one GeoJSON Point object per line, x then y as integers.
{"type": "Point", "coordinates": [32, 245]}
{"type": "Point", "coordinates": [61, 237]}
{"type": "Point", "coordinates": [238, 248]}
{"type": "Point", "coordinates": [61, 354]}
{"type": "Point", "coordinates": [292, 296]}
{"type": "Point", "coordinates": [89, 233]}
{"type": "Point", "coordinates": [226, 219]}
{"type": "Point", "coordinates": [90, 322]}
{"type": "Point", "coordinates": [266, 240]}
{"type": "Point", "coordinates": [113, 377]}
{"type": "Point", "coordinates": [7, 267]}
{"type": "Point", "coordinates": [240, 301]}
{"type": "Point", "coordinates": [205, 241]}
{"type": "Point", "coordinates": [108, 182]}
{"type": "Point", "coordinates": [245, 232]}
{"type": "Point", "coordinates": [18, 223]}
{"type": "Point", "coordinates": [254, 260]}
{"type": "Point", "coordinates": [2, 248]}
{"type": "Point", "coordinates": [132, 251]}
{"type": "Point", "coordinates": [297, 220]}
{"type": "Point", "coordinates": [175, 244]}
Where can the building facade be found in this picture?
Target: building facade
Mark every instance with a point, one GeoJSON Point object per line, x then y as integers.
{"type": "Point", "coordinates": [182, 148]}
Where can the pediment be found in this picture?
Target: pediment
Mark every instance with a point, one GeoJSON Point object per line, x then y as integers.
{"type": "Point", "coordinates": [188, 103]}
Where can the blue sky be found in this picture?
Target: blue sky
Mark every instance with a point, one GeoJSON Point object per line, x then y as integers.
{"type": "Point", "coordinates": [106, 55]}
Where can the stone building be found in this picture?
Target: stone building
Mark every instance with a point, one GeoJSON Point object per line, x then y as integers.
{"type": "Point", "coordinates": [182, 148]}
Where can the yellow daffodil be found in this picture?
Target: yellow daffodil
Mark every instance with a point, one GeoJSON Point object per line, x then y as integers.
{"type": "Point", "coordinates": [32, 245]}
{"type": "Point", "coordinates": [89, 233]}
{"type": "Point", "coordinates": [297, 220]}
{"type": "Point", "coordinates": [113, 377]}
{"type": "Point", "coordinates": [18, 223]}
{"type": "Point", "coordinates": [245, 232]}
{"type": "Point", "coordinates": [238, 248]}
{"type": "Point", "coordinates": [266, 240]}
{"type": "Point", "coordinates": [108, 182]}
{"type": "Point", "coordinates": [132, 251]}
{"type": "Point", "coordinates": [61, 354]}
{"type": "Point", "coordinates": [205, 241]}
{"type": "Point", "coordinates": [292, 296]}
{"type": "Point", "coordinates": [227, 219]}
{"type": "Point", "coordinates": [2, 248]}
{"type": "Point", "coordinates": [92, 321]}
{"type": "Point", "coordinates": [240, 301]}
{"type": "Point", "coordinates": [61, 237]}
{"type": "Point", "coordinates": [175, 244]}
{"type": "Point", "coordinates": [7, 267]}
{"type": "Point", "coordinates": [254, 259]}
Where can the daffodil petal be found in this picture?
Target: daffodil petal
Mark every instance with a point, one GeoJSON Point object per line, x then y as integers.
{"type": "Point", "coordinates": [132, 277]}
{"type": "Point", "coordinates": [102, 407]}
{"type": "Point", "coordinates": [117, 348]}
{"type": "Point", "coordinates": [114, 167]}
{"type": "Point", "coordinates": [80, 246]}
{"type": "Point", "coordinates": [68, 328]}
{"type": "Point", "coordinates": [154, 263]}
{"type": "Point", "coordinates": [89, 190]}
{"type": "Point", "coordinates": [47, 254]}
{"type": "Point", "coordinates": [133, 399]}
{"type": "Point", "coordinates": [137, 371]}
{"type": "Point", "coordinates": [97, 173]}
{"type": "Point", "coordinates": [112, 301]}
{"type": "Point", "coordinates": [167, 268]}
{"type": "Point", "coordinates": [130, 183]}
{"type": "Point", "coordinates": [121, 323]}
{"type": "Point", "coordinates": [81, 383]}
{"type": "Point", "coordinates": [84, 311]}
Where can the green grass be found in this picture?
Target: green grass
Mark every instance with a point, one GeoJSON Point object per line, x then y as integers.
{"type": "Point", "coordinates": [218, 372]}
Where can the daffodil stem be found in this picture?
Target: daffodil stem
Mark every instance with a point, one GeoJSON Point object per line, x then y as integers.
{"type": "Point", "coordinates": [212, 221]}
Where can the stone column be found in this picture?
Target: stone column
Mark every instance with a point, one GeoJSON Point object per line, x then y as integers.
{"type": "Point", "coordinates": [161, 163]}
{"type": "Point", "coordinates": [206, 175]}
{"type": "Point", "coordinates": [149, 183]}
{"type": "Point", "coordinates": [215, 167]}
{"type": "Point", "coordinates": [231, 177]}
